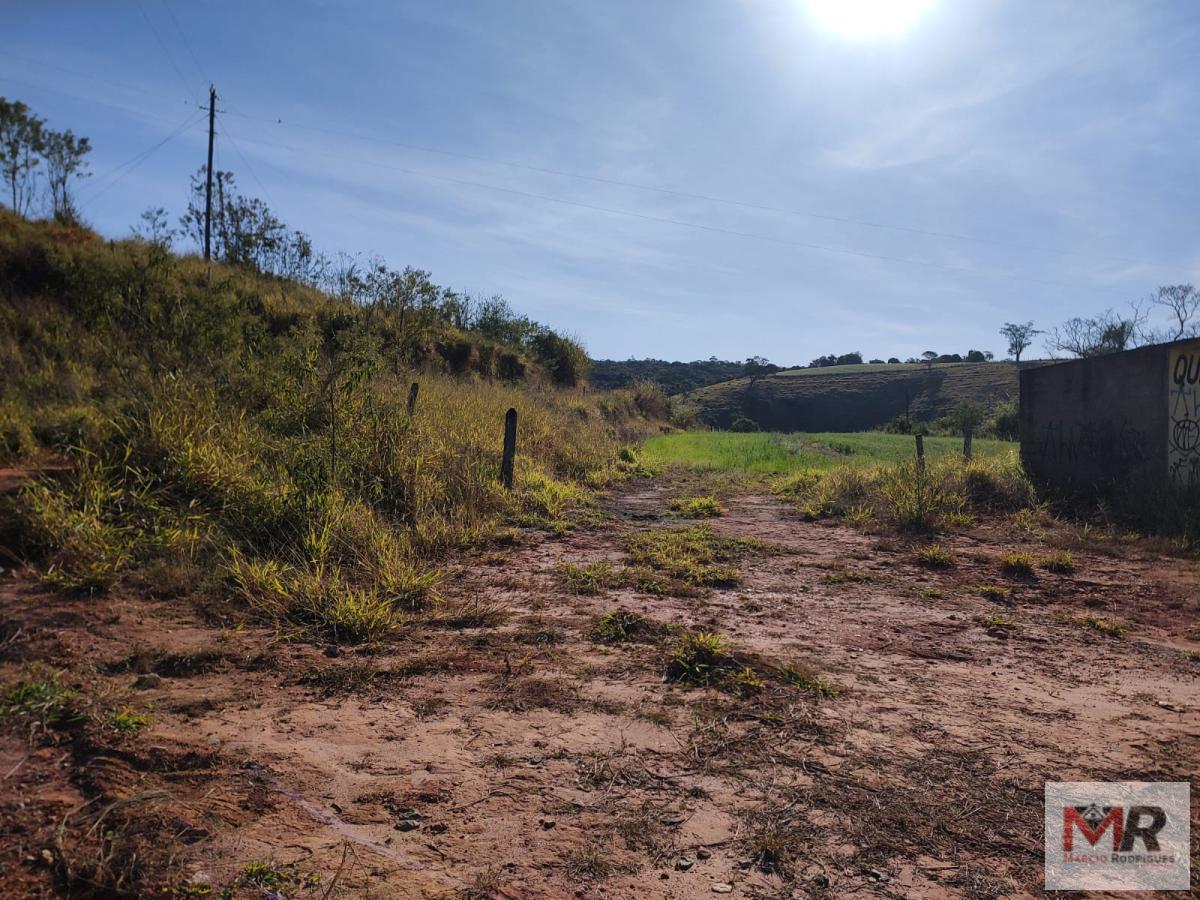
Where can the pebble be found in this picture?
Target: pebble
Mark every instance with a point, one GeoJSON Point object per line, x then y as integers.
{"type": "Point", "coordinates": [703, 853]}
{"type": "Point", "coordinates": [722, 887]}
{"type": "Point", "coordinates": [147, 681]}
{"type": "Point", "coordinates": [684, 863]}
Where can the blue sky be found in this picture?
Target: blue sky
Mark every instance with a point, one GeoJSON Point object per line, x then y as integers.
{"type": "Point", "coordinates": [1059, 137]}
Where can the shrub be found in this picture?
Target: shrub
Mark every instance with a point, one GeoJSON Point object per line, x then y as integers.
{"type": "Point", "coordinates": [743, 424]}
{"type": "Point", "coordinates": [649, 399]}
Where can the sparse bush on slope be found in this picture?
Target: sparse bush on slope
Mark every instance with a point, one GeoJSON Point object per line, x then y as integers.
{"type": "Point", "coordinates": [246, 434]}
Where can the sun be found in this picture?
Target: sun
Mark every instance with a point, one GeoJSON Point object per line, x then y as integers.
{"type": "Point", "coordinates": [868, 19]}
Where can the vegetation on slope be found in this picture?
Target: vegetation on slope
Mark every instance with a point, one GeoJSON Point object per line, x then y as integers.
{"type": "Point", "coordinates": [672, 377]}
{"type": "Point", "coordinates": [244, 434]}
{"type": "Point", "coordinates": [854, 398]}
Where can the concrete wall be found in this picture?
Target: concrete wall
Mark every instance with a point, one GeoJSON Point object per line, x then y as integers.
{"type": "Point", "coordinates": [1128, 420]}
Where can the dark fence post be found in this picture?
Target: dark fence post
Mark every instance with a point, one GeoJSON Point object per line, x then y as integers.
{"type": "Point", "coordinates": [921, 454]}
{"type": "Point", "coordinates": [412, 398]}
{"type": "Point", "coordinates": [510, 448]}
{"type": "Point", "coordinates": [967, 445]}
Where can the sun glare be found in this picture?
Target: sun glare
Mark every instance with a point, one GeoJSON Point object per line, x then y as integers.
{"type": "Point", "coordinates": [868, 19]}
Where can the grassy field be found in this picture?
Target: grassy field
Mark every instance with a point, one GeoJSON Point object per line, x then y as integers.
{"type": "Point", "coordinates": [854, 398]}
{"type": "Point", "coordinates": [781, 454]}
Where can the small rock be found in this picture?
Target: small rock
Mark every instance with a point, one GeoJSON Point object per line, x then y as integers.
{"type": "Point", "coordinates": [722, 887]}
{"type": "Point", "coordinates": [547, 823]}
{"type": "Point", "coordinates": [438, 828]}
{"type": "Point", "coordinates": [703, 853]}
{"type": "Point", "coordinates": [1171, 706]}
{"type": "Point", "coordinates": [875, 874]}
{"type": "Point", "coordinates": [684, 863]}
{"type": "Point", "coordinates": [821, 881]}
{"type": "Point", "coordinates": [407, 825]}
{"type": "Point", "coordinates": [147, 681]}
{"type": "Point", "coordinates": [673, 819]}
{"type": "Point", "coordinates": [48, 857]}
{"type": "Point", "coordinates": [331, 650]}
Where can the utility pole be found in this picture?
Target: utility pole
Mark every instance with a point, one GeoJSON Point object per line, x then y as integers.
{"type": "Point", "coordinates": [212, 114]}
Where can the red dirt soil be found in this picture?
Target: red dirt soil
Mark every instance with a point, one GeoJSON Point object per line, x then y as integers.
{"type": "Point", "coordinates": [527, 760]}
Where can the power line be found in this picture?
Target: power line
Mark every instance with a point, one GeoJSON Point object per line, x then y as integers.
{"type": "Point", "coordinates": [170, 56]}
{"type": "Point", "coordinates": [133, 162]}
{"type": "Point", "coordinates": [689, 195]}
{"type": "Point", "coordinates": [669, 221]}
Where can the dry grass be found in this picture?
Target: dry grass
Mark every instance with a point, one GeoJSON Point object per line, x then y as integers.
{"type": "Point", "coordinates": [933, 556]}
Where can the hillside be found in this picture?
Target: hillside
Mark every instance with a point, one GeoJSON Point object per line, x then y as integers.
{"type": "Point", "coordinates": [672, 377]}
{"type": "Point", "coordinates": [854, 398]}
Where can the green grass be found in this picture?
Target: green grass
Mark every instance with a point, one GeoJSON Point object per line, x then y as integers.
{"type": "Point", "coordinates": [694, 557]}
{"type": "Point", "coordinates": [784, 454]}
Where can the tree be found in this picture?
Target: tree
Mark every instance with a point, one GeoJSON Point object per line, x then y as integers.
{"type": "Point", "coordinates": [64, 154]}
{"type": "Point", "coordinates": [154, 229]}
{"type": "Point", "coordinates": [1183, 302]}
{"type": "Point", "coordinates": [1108, 332]}
{"type": "Point", "coordinates": [756, 367]}
{"type": "Point", "coordinates": [978, 356]}
{"type": "Point", "coordinates": [930, 357]}
{"type": "Point", "coordinates": [1019, 337]}
{"type": "Point", "coordinates": [21, 142]}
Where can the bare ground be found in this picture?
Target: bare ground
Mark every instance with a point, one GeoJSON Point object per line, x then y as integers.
{"type": "Point", "coordinates": [526, 759]}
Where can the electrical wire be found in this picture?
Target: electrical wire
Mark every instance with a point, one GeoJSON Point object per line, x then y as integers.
{"type": "Point", "coordinates": [669, 221]}
{"type": "Point", "coordinates": [133, 162]}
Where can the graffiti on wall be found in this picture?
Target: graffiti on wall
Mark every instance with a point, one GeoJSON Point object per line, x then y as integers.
{"type": "Point", "coordinates": [1183, 415]}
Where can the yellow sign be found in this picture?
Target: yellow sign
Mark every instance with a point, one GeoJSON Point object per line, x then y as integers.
{"type": "Point", "coordinates": [1183, 416]}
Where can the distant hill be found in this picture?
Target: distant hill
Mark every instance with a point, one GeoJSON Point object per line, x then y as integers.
{"type": "Point", "coordinates": [672, 377]}
{"type": "Point", "coordinates": [854, 398]}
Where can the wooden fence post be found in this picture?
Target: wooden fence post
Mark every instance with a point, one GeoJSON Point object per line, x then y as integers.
{"type": "Point", "coordinates": [921, 454]}
{"type": "Point", "coordinates": [412, 398]}
{"type": "Point", "coordinates": [510, 448]}
{"type": "Point", "coordinates": [967, 444]}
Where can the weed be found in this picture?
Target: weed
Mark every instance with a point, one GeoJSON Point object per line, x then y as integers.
{"type": "Point", "coordinates": [1060, 562]}
{"type": "Point", "coordinates": [1017, 565]}
{"type": "Point", "coordinates": [1103, 626]}
{"type": "Point", "coordinates": [40, 703]}
{"type": "Point", "coordinates": [696, 507]}
{"type": "Point", "coordinates": [470, 614]}
{"type": "Point", "coordinates": [618, 626]}
{"type": "Point", "coordinates": [933, 556]}
{"type": "Point", "coordinates": [696, 556]}
{"type": "Point", "coordinates": [995, 593]}
{"type": "Point", "coordinates": [700, 658]}
{"type": "Point", "coordinates": [806, 680]}
{"type": "Point", "coordinates": [745, 681]}
{"type": "Point", "coordinates": [591, 861]}
{"type": "Point", "coordinates": [842, 575]}
{"type": "Point", "coordinates": [126, 721]}
{"type": "Point", "coordinates": [593, 578]}
{"type": "Point", "coordinates": [999, 621]}
{"type": "Point", "coordinates": [932, 593]}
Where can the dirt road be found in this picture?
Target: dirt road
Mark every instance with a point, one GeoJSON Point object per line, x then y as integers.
{"type": "Point", "coordinates": [523, 758]}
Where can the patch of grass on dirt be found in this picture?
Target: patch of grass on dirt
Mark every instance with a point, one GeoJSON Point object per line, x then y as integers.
{"type": "Point", "coordinates": [699, 658]}
{"type": "Point", "coordinates": [1017, 565]}
{"type": "Point", "coordinates": [519, 694]}
{"type": "Point", "coordinates": [594, 578]}
{"type": "Point", "coordinates": [1102, 625]}
{"type": "Point", "coordinates": [334, 681]}
{"type": "Point", "coordinates": [695, 557]}
{"type": "Point", "coordinates": [1060, 562]}
{"type": "Point", "coordinates": [696, 507]}
{"type": "Point", "coordinates": [618, 626]}
{"type": "Point", "coordinates": [933, 556]}
{"type": "Point", "coordinates": [840, 574]}
{"type": "Point", "coordinates": [40, 703]}
{"type": "Point", "coordinates": [806, 680]}
{"type": "Point", "coordinates": [126, 721]}
{"type": "Point", "coordinates": [1000, 621]}
{"type": "Point", "coordinates": [273, 879]}
{"type": "Point", "coordinates": [470, 614]}
{"type": "Point", "coordinates": [995, 593]}
{"type": "Point", "coordinates": [772, 836]}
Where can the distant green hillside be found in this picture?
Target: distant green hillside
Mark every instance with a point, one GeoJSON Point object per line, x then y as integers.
{"type": "Point", "coordinates": [672, 377]}
{"type": "Point", "coordinates": [854, 398]}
